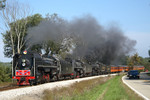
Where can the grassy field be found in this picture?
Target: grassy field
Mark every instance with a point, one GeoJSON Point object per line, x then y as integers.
{"type": "Point", "coordinates": [110, 88]}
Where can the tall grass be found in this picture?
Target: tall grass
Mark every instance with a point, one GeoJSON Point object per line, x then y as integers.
{"type": "Point", "coordinates": [74, 91]}
{"type": "Point", "coordinates": [96, 89]}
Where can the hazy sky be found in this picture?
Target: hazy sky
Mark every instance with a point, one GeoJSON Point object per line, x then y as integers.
{"type": "Point", "coordinates": [132, 16]}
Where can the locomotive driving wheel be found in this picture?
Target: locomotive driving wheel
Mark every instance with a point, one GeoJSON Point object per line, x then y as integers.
{"type": "Point", "coordinates": [82, 73]}
{"type": "Point", "coordinates": [77, 75]}
{"type": "Point", "coordinates": [31, 82]}
{"type": "Point", "coordinates": [55, 78]}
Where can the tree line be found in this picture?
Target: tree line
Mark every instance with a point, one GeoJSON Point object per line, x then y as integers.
{"type": "Point", "coordinates": [137, 60]}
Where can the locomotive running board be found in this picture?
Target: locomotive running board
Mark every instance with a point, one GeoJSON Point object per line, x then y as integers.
{"type": "Point", "coordinates": [47, 66]}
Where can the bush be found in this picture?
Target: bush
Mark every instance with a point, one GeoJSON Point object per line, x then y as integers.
{"type": "Point", "coordinates": [5, 72]}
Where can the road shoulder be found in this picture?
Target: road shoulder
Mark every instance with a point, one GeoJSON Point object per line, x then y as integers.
{"type": "Point", "coordinates": [140, 94]}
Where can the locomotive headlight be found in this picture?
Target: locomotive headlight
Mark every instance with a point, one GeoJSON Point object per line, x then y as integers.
{"type": "Point", "coordinates": [23, 64]}
{"type": "Point", "coordinates": [23, 60]}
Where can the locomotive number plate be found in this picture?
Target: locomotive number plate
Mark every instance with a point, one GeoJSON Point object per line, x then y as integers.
{"type": "Point", "coordinates": [23, 72]}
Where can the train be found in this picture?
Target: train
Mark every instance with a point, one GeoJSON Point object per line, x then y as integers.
{"type": "Point", "coordinates": [31, 68]}
{"type": "Point", "coordinates": [125, 68]}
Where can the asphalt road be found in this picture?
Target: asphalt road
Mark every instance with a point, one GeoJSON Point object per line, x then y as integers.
{"type": "Point", "coordinates": [141, 85]}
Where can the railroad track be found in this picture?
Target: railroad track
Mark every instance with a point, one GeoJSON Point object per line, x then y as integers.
{"type": "Point", "coordinates": [15, 86]}
{"type": "Point", "coordinates": [10, 86]}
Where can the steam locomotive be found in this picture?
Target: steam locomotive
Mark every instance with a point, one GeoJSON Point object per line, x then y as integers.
{"type": "Point", "coordinates": [31, 68]}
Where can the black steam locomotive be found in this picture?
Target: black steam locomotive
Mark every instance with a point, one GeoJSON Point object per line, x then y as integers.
{"type": "Point", "coordinates": [32, 68]}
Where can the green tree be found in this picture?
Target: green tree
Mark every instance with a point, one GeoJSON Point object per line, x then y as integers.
{"type": "Point", "coordinates": [2, 4]}
{"type": "Point", "coordinates": [14, 21]}
{"type": "Point", "coordinates": [134, 60]}
{"type": "Point", "coordinates": [52, 46]}
{"type": "Point", "coordinates": [145, 62]}
{"type": "Point", "coordinates": [19, 42]}
{"type": "Point", "coordinates": [56, 46]}
{"type": "Point", "coordinates": [5, 73]}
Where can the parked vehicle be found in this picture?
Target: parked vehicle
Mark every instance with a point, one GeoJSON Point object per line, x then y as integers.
{"type": "Point", "coordinates": [133, 74]}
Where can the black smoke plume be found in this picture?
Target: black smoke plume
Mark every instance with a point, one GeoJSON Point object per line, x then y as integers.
{"type": "Point", "coordinates": [93, 41]}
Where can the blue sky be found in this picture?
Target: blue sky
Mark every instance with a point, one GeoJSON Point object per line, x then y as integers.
{"type": "Point", "coordinates": [132, 16]}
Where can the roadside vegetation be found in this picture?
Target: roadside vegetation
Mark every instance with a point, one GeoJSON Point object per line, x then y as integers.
{"type": "Point", "coordinates": [146, 63]}
{"type": "Point", "coordinates": [136, 60]}
{"type": "Point", "coordinates": [108, 88]}
{"type": "Point", "coordinates": [5, 72]}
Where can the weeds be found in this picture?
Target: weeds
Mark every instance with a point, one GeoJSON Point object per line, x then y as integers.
{"type": "Point", "coordinates": [74, 90]}
{"type": "Point", "coordinates": [108, 88]}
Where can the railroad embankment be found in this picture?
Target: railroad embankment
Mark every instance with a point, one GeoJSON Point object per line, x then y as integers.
{"type": "Point", "coordinates": [36, 92]}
